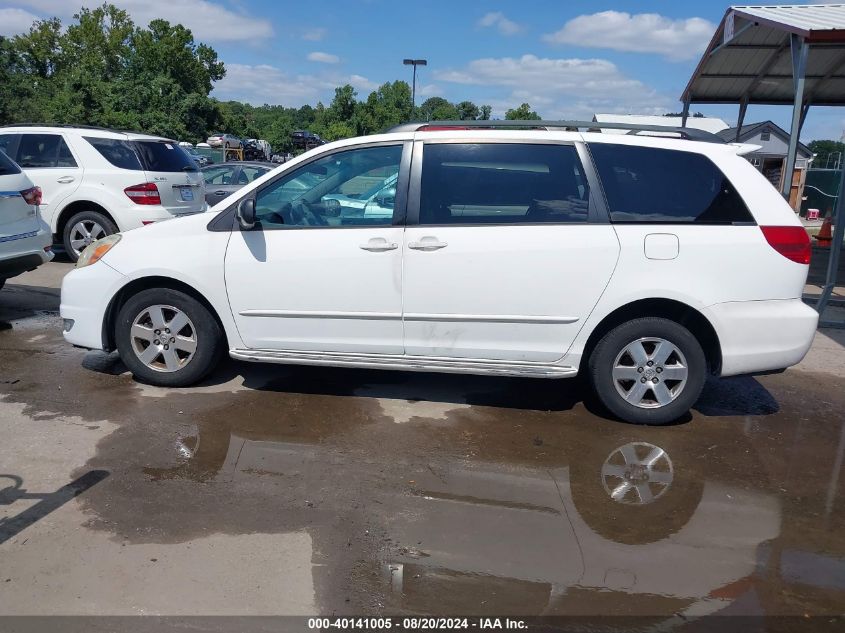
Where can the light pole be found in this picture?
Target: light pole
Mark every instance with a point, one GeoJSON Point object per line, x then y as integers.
{"type": "Point", "coordinates": [414, 63]}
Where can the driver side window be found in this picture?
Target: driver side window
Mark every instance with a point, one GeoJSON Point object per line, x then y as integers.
{"type": "Point", "coordinates": [341, 189]}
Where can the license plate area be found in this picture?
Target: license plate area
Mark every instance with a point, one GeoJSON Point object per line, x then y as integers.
{"type": "Point", "coordinates": [186, 193]}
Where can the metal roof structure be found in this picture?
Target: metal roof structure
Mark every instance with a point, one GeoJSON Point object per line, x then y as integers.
{"type": "Point", "coordinates": [749, 56]}
{"type": "Point", "coordinates": [779, 55]}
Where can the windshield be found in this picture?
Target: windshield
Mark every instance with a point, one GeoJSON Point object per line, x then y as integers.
{"type": "Point", "coordinates": [7, 165]}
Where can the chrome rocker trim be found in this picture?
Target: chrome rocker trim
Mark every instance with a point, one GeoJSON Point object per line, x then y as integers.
{"type": "Point", "coordinates": [406, 363]}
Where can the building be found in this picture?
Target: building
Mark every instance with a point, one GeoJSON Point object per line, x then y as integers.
{"type": "Point", "coordinates": [770, 159]}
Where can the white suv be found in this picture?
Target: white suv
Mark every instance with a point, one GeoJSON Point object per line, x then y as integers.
{"type": "Point", "coordinates": [646, 263]}
{"type": "Point", "coordinates": [96, 182]}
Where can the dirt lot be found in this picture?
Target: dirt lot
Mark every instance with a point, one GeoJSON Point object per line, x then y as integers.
{"type": "Point", "coordinates": [288, 490]}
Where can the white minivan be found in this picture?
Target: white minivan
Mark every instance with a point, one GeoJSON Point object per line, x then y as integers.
{"type": "Point", "coordinates": [644, 262]}
{"type": "Point", "coordinates": [96, 181]}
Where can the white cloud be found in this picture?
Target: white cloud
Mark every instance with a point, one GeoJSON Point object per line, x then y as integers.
{"type": "Point", "coordinates": [639, 33]}
{"type": "Point", "coordinates": [267, 84]}
{"type": "Point", "coordinates": [315, 34]}
{"type": "Point", "coordinates": [498, 20]}
{"type": "Point", "coordinates": [323, 58]}
{"type": "Point", "coordinates": [209, 21]}
{"type": "Point", "coordinates": [15, 21]}
{"type": "Point", "coordinates": [556, 87]}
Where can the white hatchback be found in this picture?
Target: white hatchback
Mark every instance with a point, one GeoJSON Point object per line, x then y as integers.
{"type": "Point", "coordinates": [25, 240]}
{"type": "Point", "coordinates": [96, 182]}
{"type": "Point", "coordinates": [646, 263]}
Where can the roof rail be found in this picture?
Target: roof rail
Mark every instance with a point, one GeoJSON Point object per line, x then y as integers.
{"type": "Point", "coordinates": [68, 125]}
{"type": "Point", "coordinates": [686, 133]}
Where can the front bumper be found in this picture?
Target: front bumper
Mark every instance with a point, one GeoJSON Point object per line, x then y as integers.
{"type": "Point", "coordinates": [86, 294]}
{"type": "Point", "coordinates": [762, 336]}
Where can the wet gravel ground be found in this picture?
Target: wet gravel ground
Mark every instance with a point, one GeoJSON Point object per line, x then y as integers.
{"type": "Point", "coordinates": [273, 489]}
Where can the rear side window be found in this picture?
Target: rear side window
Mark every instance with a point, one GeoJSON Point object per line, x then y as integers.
{"type": "Point", "coordinates": [119, 153]}
{"type": "Point", "coordinates": [506, 183]}
{"type": "Point", "coordinates": [9, 144]}
{"type": "Point", "coordinates": [651, 185]}
{"type": "Point", "coordinates": [44, 150]}
{"type": "Point", "coordinates": [164, 156]}
{"type": "Point", "coordinates": [7, 165]}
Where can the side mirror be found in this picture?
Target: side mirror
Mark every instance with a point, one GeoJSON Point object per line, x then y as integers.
{"type": "Point", "coordinates": [246, 214]}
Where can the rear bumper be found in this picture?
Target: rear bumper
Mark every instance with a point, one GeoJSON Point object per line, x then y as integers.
{"type": "Point", "coordinates": [763, 336]}
{"type": "Point", "coordinates": [86, 294]}
{"type": "Point", "coordinates": [23, 254]}
{"type": "Point", "coordinates": [141, 215]}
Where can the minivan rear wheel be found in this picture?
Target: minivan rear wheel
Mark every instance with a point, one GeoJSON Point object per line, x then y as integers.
{"type": "Point", "coordinates": [84, 228]}
{"type": "Point", "coordinates": [167, 338]}
{"type": "Point", "coordinates": [648, 371]}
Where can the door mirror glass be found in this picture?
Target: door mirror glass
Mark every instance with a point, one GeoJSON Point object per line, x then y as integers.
{"type": "Point", "coordinates": [246, 214]}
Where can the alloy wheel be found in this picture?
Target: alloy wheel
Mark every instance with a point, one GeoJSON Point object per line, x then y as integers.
{"type": "Point", "coordinates": [84, 233]}
{"type": "Point", "coordinates": [163, 338]}
{"type": "Point", "coordinates": [650, 372]}
{"type": "Point", "coordinates": [637, 473]}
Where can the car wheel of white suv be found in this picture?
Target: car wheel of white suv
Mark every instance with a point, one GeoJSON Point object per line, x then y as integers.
{"type": "Point", "coordinates": [85, 228]}
{"type": "Point", "coordinates": [167, 338]}
{"type": "Point", "coordinates": [648, 371]}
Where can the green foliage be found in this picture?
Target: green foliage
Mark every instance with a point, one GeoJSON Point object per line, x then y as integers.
{"type": "Point", "coordinates": [104, 70]}
{"type": "Point", "coordinates": [824, 147]}
{"type": "Point", "coordinates": [522, 113]}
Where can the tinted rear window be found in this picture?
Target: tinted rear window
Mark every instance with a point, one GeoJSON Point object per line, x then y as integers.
{"type": "Point", "coordinates": [164, 156]}
{"type": "Point", "coordinates": [119, 153]}
{"type": "Point", "coordinates": [7, 165]}
{"type": "Point", "coordinates": [651, 185]}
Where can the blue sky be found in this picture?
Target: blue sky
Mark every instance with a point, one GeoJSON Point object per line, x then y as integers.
{"type": "Point", "coordinates": [567, 59]}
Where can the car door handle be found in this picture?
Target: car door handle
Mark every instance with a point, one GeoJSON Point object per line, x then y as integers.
{"type": "Point", "coordinates": [219, 193]}
{"type": "Point", "coordinates": [66, 179]}
{"type": "Point", "coordinates": [378, 245]}
{"type": "Point", "coordinates": [428, 243]}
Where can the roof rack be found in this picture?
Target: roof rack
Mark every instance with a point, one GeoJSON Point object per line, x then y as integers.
{"type": "Point", "coordinates": [686, 133]}
{"type": "Point", "coordinates": [68, 125]}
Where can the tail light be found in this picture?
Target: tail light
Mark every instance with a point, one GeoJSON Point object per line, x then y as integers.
{"type": "Point", "coordinates": [790, 241]}
{"type": "Point", "coordinates": [146, 193]}
{"type": "Point", "coordinates": [32, 195]}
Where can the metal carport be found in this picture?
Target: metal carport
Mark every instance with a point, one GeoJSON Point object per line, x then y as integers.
{"type": "Point", "coordinates": [778, 55]}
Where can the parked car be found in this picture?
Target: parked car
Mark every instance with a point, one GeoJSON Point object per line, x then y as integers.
{"type": "Point", "coordinates": [25, 239]}
{"type": "Point", "coordinates": [264, 151]}
{"type": "Point", "coordinates": [252, 152]}
{"type": "Point", "coordinates": [200, 159]}
{"type": "Point", "coordinates": [645, 263]}
{"type": "Point", "coordinates": [226, 141]}
{"type": "Point", "coordinates": [303, 139]}
{"type": "Point", "coordinates": [223, 180]}
{"type": "Point", "coordinates": [97, 182]}
{"type": "Point", "coordinates": [375, 201]}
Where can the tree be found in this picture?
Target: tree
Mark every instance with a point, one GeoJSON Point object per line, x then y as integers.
{"type": "Point", "coordinates": [384, 108]}
{"type": "Point", "coordinates": [467, 110]}
{"type": "Point", "coordinates": [485, 113]}
{"type": "Point", "coordinates": [522, 113]}
{"type": "Point", "coordinates": [437, 109]}
{"type": "Point", "coordinates": [823, 147]}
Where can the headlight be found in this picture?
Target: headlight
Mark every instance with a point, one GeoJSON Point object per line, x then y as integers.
{"type": "Point", "coordinates": [94, 252]}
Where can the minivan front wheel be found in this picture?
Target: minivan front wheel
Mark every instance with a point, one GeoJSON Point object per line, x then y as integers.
{"type": "Point", "coordinates": [167, 338]}
{"type": "Point", "coordinates": [648, 371]}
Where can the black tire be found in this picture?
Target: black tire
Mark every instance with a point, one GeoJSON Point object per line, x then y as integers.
{"type": "Point", "coordinates": [208, 334]}
{"type": "Point", "coordinates": [109, 227]}
{"type": "Point", "coordinates": [603, 357]}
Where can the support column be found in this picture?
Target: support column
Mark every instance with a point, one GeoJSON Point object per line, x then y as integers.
{"type": "Point", "coordinates": [685, 113]}
{"type": "Point", "coordinates": [799, 66]}
{"type": "Point", "coordinates": [743, 106]}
